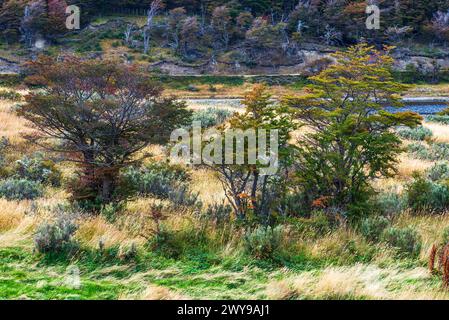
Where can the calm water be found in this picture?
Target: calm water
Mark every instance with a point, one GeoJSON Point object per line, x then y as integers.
{"type": "Point", "coordinates": [424, 109]}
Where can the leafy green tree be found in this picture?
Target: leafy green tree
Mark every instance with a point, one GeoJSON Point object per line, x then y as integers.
{"type": "Point", "coordinates": [100, 115]}
{"type": "Point", "coordinates": [251, 193]}
{"type": "Point", "coordinates": [349, 141]}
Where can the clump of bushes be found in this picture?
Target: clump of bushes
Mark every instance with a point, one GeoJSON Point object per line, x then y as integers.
{"type": "Point", "coordinates": [37, 168]}
{"type": "Point", "coordinates": [435, 152]}
{"type": "Point", "coordinates": [373, 227]}
{"type": "Point", "coordinates": [156, 179]}
{"type": "Point", "coordinates": [391, 202]}
{"type": "Point", "coordinates": [161, 180]}
{"type": "Point", "coordinates": [182, 196]}
{"type": "Point", "coordinates": [263, 242]}
{"type": "Point", "coordinates": [20, 189]}
{"type": "Point", "coordinates": [423, 194]}
{"type": "Point", "coordinates": [443, 119]}
{"type": "Point", "coordinates": [406, 240]}
{"type": "Point", "coordinates": [219, 213]}
{"type": "Point", "coordinates": [419, 133]}
{"type": "Point", "coordinates": [211, 117]}
{"type": "Point", "coordinates": [439, 171]}
{"type": "Point", "coordinates": [53, 237]}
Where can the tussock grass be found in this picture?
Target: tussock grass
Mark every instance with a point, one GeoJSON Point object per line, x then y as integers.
{"type": "Point", "coordinates": [357, 282]}
{"type": "Point", "coordinates": [440, 131]}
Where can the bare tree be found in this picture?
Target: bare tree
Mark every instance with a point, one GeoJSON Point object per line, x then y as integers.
{"type": "Point", "coordinates": [397, 33]}
{"type": "Point", "coordinates": [155, 6]}
{"type": "Point", "coordinates": [128, 33]}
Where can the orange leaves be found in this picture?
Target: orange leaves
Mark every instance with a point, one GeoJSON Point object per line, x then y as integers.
{"type": "Point", "coordinates": [321, 202]}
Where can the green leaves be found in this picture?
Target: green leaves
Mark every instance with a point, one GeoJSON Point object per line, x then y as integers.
{"type": "Point", "coordinates": [350, 142]}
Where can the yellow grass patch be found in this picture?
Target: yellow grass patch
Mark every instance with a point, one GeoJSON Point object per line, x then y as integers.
{"type": "Point", "coordinates": [355, 282]}
{"type": "Point", "coordinates": [93, 230]}
{"type": "Point", "coordinates": [407, 166]}
{"type": "Point", "coordinates": [440, 131]}
{"type": "Point", "coordinates": [206, 183]}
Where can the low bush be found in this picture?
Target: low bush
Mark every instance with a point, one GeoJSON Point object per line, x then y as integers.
{"type": "Point", "coordinates": [182, 196]}
{"type": "Point", "coordinates": [391, 202]}
{"type": "Point", "coordinates": [53, 237]}
{"type": "Point", "coordinates": [443, 119]}
{"type": "Point", "coordinates": [20, 189]}
{"type": "Point", "coordinates": [372, 228]}
{"type": "Point", "coordinates": [263, 242]}
{"type": "Point", "coordinates": [439, 171]}
{"type": "Point", "coordinates": [423, 194]}
{"type": "Point", "coordinates": [157, 179]}
{"type": "Point", "coordinates": [406, 240]}
{"type": "Point", "coordinates": [219, 213]}
{"type": "Point", "coordinates": [37, 168]}
{"type": "Point", "coordinates": [419, 133]}
{"type": "Point", "coordinates": [435, 152]}
{"type": "Point", "coordinates": [211, 117]}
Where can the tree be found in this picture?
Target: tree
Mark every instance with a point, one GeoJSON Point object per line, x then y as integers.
{"type": "Point", "coordinates": [249, 191]}
{"type": "Point", "coordinates": [264, 40]}
{"type": "Point", "coordinates": [350, 142]}
{"type": "Point", "coordinates": [155, 6]}
{"type": "Point", "coordinates": [221, 23]}
{"type": "Point", "coordinates": [100, 115]}
{"type": "Point", "coordinates": [175, 22]}
{"type": "Point", "coordinates": [189, 33]}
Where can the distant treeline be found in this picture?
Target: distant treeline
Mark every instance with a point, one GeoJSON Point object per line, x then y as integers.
{"type": "Point", "coordinates": [336, 22]}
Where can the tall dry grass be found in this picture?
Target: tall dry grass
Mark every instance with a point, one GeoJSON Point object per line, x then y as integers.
{"type": "Point", "coordinates": [440, 131]}
{"type": "Point", "coordinates": [407, 166]}
{"type": "Point", "coordinates": [356, 282]}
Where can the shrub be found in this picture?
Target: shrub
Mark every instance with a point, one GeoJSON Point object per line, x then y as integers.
{"type": "Point", "coordinates": [10, 95]}
{"type": "Point", "coordinates": [443, 119]}
{"type": "Point", "coordinates": [391, 202]}
{"type": "Point", "coordinates": [372, 228]}
{"type": "Point", "coordinates": [20, 189]}
{"type": "Point", "coordinates": [211, 117]}
{"type": "Point", "coordinates": [423, 194]}
{"type": "Point", "coordinates": [163, 181]}
{"type": "Point", "coordinates": [157, 179]}
{"type": "Point", "coordinates": [263, 242]}
{"type": "Point", "coordinates": [419, 133]}
{"type": "Point", "coordinates": [418, 150]}
{"type": "Point", "coordinates": [406, 240]}
{"type": "Point", "coordinates": [38, 169]}
{"type": "Point", "coordinates": [182, 196]}
{"type": "Point", "coordinates": [55, 237]}
{"type": "Point", "coordinates": [439, 171]}
{"type": "Point", "coordinates": [445, 236]}
{"type": "Point", "coordinates": [218, 212]}
{"type": "Point", "coordinates": [435, 152]}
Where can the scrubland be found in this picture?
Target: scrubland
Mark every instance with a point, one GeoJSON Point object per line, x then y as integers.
{"type": "Point", "coordinates": [203, 258]}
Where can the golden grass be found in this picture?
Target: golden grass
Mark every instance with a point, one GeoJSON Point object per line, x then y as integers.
{"type": "Point", "coordinates": [356, 282]}
{"type": "Point", "coordinates": [161, 293]}
{"type": "Point", "coordinates": [440, 131]}
{"type": "Point", "coordinates": [208, 186]}
{"type": "Point", "coordinates": [11, 126]}
{"type": "Point", "coordinates": [16, 222]}
{"type": "Point", "coordinates": [408, 165]}
{"type": "Point", "coordinates": [93, 230]}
